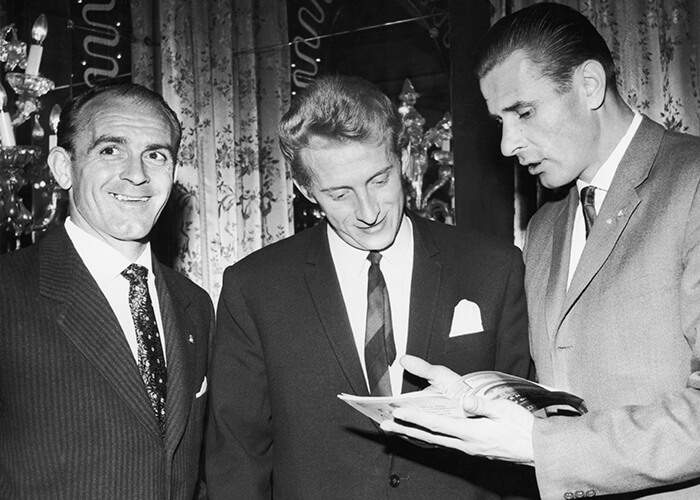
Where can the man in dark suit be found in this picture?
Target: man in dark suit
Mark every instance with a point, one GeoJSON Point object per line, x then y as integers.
{"type": "Point", "coordinates": [330, 310]}
{"type": "Point", "coordinates": [103, 351]}
{"type": "Point", "coordinates": [612, 272]}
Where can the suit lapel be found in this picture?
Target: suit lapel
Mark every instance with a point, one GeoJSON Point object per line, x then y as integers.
{"type": "Point", "coordinates": [324, 288]}
{"type": "Point", "coordinates": [425, 287]}
{"type": "Point", "coordinates": [181, 369]}
{"type": "Point", "coordinates": [619, 205]}
{"type": "Point", "coordinates": [559, 263]}
{"type": "Point", "coordinates": [86, 318]}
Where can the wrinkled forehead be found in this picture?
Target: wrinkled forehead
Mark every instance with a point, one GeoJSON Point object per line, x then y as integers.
{"type": "Point", "coordinates": [139, 111]}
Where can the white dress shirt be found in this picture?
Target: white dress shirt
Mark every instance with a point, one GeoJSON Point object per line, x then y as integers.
{"type": "Point", "coordinates": [601, 181]}
{"type": "Point", "coordinates": [105, 264]}
{"type": "Point", "coordinates": [352, 266]}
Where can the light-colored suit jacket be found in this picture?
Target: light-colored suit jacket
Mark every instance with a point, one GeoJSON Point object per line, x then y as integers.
{"type": "Point", "coordinates": [625, 334]}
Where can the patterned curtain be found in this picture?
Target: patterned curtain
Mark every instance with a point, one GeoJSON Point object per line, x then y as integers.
{"type": "Point", "coordinates": [655, 47]}
{"type": "Point", "coordinates": [223, 66]}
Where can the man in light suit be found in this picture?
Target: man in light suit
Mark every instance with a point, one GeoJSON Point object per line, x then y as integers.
{"type": "Point", "coordinates": [613, 283]}
{"type": "Point", "coordinates": [103, 351]}
{"type": "Point", "coordinates": [297, 323]}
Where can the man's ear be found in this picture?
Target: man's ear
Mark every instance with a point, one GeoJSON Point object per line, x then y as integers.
{"type": "Point", "coordinates": [305, 191]}
{"type": "Point", "coordinates": [594, 83]}
{"type": "Point", "coordinates": [60, 163]}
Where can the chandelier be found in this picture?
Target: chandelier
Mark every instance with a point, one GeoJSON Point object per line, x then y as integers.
{"type": "Point", "coordinates": [22, 166]}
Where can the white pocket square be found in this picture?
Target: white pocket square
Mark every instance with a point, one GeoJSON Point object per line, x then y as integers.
{"type": "Point", "coordinates": [202, 389]}
{"type": "Point", "coordinates": [466, 319]}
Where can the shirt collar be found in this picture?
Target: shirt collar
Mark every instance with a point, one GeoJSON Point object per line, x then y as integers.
{"type": "Point", "coordinates": [103, 261]}
{"type": "Point", "coordinates": [351, 260]}
{"type": "Point", "coordinates": [603, 178]}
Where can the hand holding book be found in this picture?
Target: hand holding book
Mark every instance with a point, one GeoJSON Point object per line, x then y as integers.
{"type": "Point", "coordinates": [482, 413]}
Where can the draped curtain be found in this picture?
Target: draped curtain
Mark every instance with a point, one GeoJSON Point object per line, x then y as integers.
{"type": "Point", "coordinates": [223, 66]}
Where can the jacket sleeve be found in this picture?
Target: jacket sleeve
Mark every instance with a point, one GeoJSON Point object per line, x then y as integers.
{"type": "Point", "coordinates": [239, 434]}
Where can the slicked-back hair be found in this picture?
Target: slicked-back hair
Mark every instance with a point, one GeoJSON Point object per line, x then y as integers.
{"type": "Point", "coordinates": [341, 109]}
{"type": "Point", "coordinates": [555, 37]}
{"type": "Point", "coordinates": [72, 121]}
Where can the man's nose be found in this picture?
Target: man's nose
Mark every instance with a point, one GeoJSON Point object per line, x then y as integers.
{"type": "Point", "coordinates": [367, 209]}
{"type": "Point", "coordinates": [135, 171]}
{"type": "Point", "coordinates": [511, 139]}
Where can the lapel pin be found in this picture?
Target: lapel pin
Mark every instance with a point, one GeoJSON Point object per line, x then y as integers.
{"type": "Point", "coordinates": [190, 339]}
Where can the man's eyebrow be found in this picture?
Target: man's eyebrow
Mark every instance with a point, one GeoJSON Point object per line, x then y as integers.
{"type": "Point", "coordinates": [106, 138]}
{"type": "Point", "coordinates": [122, 140]}
{"type": "Point", "coordinates": [518, 105]}
{"type": "Point", "coordinates": [381, 172]}
{"type": "Point", "coordinates": [513, 108]}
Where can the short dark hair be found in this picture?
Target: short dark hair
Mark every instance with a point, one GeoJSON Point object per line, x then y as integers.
{"type": "Point", "coordinates": [72, 121]}
{"type": "Point", "coordinates": [555, 37]}
{"type": "Point", "coordinates": [338, 108]}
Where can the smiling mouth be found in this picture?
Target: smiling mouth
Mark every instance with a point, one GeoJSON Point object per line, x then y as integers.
{"type": "Point", "coordinates": [372, 227]}
{"type": "Point", "coordinates": [132, 199]}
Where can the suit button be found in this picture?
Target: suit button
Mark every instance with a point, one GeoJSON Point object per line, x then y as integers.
{"type": "Point", "coordinates": [568, 496]}
{"type": "Point", "coordinates": [394, 480]}
{"type": "Point", "coordinates": [590, 493]}
{"type": "Point", "coordinates": [579, 494]}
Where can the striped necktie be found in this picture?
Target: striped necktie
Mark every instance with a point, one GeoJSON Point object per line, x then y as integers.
{"type": "Point", "coordinates": [380, 350]}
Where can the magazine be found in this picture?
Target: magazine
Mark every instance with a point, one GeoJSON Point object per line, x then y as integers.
{"type": "Point", "coordinates": [538, 399]}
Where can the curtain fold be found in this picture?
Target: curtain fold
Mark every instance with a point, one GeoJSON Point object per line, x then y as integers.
{"type": "Point", "coordinates": [223, 66]}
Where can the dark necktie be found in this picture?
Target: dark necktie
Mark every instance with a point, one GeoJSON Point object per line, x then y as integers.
{"type": "Point", "coordinates": [588, 205]}
{"type": "Point", "coordinates": [151, 361]}
{"type": "Point", "coordinates": [380, 350]}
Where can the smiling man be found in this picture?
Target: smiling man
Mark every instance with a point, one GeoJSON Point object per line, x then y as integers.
{"type": "Point", "coordinates": [331, 309]}
{"type": "Point", "coordinates": [103, 350]}
{"type": "Point", "coordinates": [612, 273]}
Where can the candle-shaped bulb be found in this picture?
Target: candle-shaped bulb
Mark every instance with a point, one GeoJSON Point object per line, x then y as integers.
{"type": "Point", "coordinates": [40, 29]}
{"type": "Point", "coordinates": [54, 118]}
{"type": "Point", "coordinates": [37, 130]}
{"type": "Point", "coordinates": [7, 133]}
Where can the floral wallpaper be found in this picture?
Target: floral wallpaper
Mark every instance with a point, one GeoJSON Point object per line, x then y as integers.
{"type": "Point", "coordinates": [223, 65]}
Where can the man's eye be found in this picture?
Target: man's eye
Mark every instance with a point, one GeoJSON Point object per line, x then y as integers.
{"type": "Point", "coordinates": [524, 115]}
{"type": "Point", "coordinates": [109, 151]}
{"type": "Point", "coordinates": [339, 195]}
{"type": "Point", "coordinates": [157, 156]}
{"type": "Point", "coordinates": [381, 180]}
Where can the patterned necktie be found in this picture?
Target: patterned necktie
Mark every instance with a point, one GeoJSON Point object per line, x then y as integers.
{"type": "Point", "coordinates": [151, 361]}
{"type": "Point", "coordinates": [380, 350]}
{"type": "Point", "coordinates": [588, 205]}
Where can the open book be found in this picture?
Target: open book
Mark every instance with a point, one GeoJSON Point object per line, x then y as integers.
{"type": "Point", "coordinates": [538, 399]}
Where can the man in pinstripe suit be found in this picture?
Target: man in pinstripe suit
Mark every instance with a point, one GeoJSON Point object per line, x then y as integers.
{"type": "Point", "coordinates": [103, 351]}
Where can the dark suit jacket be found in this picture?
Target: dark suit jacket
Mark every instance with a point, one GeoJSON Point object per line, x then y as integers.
{"type": "Point", "coordinates": [284, 350]}
{"type": "Point", "coordinates": [75, 421]}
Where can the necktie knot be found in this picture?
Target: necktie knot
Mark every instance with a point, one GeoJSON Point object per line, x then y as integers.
{"type": "Point", "coordinates": [135, 273]}
{"type": "Point", "coordinates": [588, 196]}
{"type": "Point", "coordinates": [374, 257]}
{"type": "Point", "coordinates": [588, 206]}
